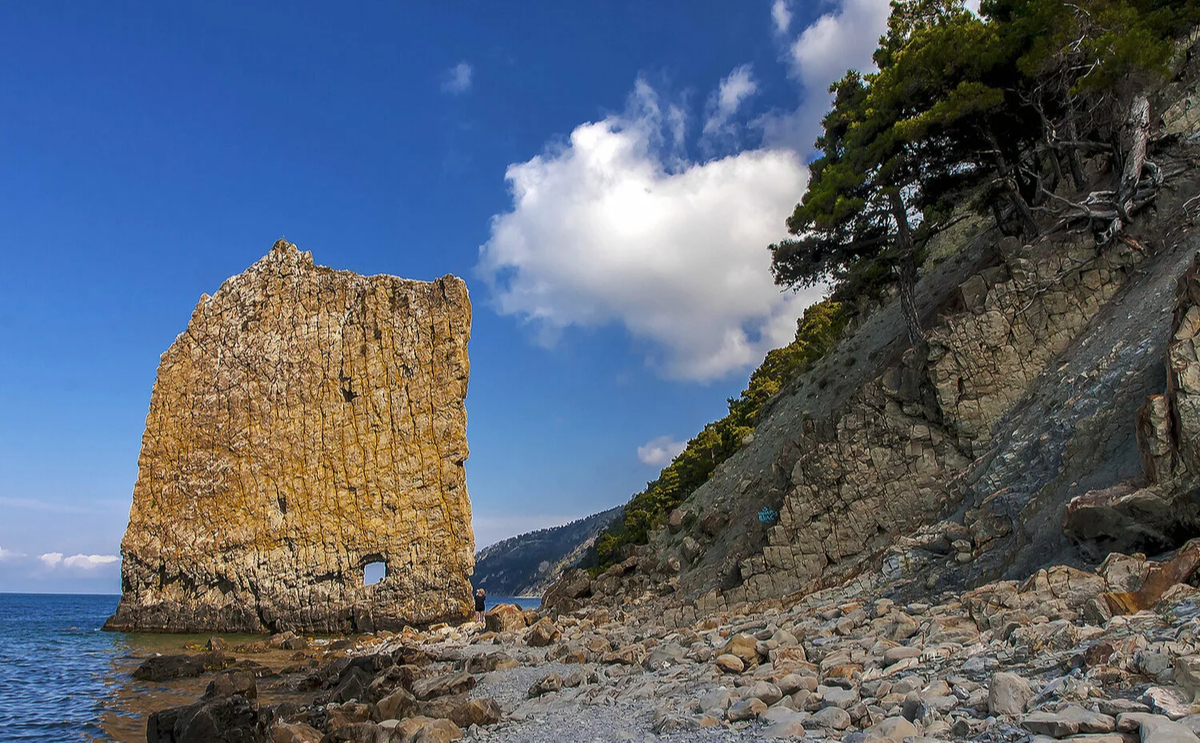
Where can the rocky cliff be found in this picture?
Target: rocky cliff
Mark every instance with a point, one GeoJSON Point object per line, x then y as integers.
{"type": "Point", "coordinates": [1042, 395]}
{"type": "Point", "coordinates": [307, 423]}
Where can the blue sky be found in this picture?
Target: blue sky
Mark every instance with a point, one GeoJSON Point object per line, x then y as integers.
{"type": "Point", "coordinates": [605, 176]}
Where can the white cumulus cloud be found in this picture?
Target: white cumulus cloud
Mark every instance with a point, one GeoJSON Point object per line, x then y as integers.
{"type": "Point", "coordinates": [458, 79]}
{"type": "Point", "coordinates": [781, 14]}
{"type": "Point", "coordinates": [841, 40]}
{"type": "Point", "coordinates": [616, 225]}
{"type": "Point", "coordinates": [728, 98]}
{"type": "Point", "coordinates": [659, 451]}
{"type": "Point", "coordinates": [9, 554]}
{"type": "Point", "coordinates": [80, 562]}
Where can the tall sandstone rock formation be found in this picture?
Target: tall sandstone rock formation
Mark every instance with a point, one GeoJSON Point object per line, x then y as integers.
{"type": "Point", "coordinates": [307, 423]}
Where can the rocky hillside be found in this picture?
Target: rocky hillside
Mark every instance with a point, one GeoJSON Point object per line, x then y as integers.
{"type": "Point", "coordinates": [527, 564]}
{"type": "Point", "coordinates": [1045, 420]}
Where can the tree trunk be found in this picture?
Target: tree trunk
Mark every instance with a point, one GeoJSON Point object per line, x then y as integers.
{"type": "Point", "coordinates": [1073, 160]}
{"type": "Point", "coordinates": [1134, 140]}
{"type": "Point", "coordinates": [1014, 193]}
{"type": "Point", "coordinates": [908, 270]}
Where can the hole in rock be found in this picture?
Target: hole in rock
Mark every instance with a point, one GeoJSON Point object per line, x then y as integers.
{"type": "Point", "coordinates": [348, 394]}
{"type": "Point", "coordinates": [373, 572]}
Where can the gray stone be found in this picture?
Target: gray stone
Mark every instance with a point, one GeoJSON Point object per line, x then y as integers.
{"type": "Point", "coordinates": [830, 718]}
{"type": "Point", "coordinates": [894, 729]}
{"type": "Point", "coordinates": [768, 693]}
{"type": "Point", "coordinates": [747, 709]}
{"type": "Point", "coordinates": [1008, 694]}
{"type": "Point", "coordinates": [835, 697]}
{"type": "Point", "coordinates": [1068, 722]}
{"type": "Point", "coordinates": [715, 702]}
{"type": "Point", "coordinates": [1168, 702]}
{"type": "Point", "coordinates": [787, 728]}
{"type": "Point", "coordinates": [1158, 729]}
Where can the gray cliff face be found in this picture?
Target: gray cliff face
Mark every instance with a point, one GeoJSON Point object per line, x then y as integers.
{"type": "Point", "coordinates": [1044, 385]}
{"type": "Point", "coordinates": [307, 423]}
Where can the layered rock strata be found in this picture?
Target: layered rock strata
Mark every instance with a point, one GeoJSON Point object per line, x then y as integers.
{"type": "Point", "coordinates": [308, 422]}
{"type": "Point", "coordinates": [1032, 392]}
{"type": "Point", "coordinates": [1162, 507]}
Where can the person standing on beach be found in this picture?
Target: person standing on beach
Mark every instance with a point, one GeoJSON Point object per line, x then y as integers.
{"type": "Point", "coordinates": [480, 597]}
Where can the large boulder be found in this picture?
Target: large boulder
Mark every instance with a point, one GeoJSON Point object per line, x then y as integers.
{"type": "Point", "coordinates": [1008, 694]}
{"type": "Point", "coordinates": [232, 719]}
{"type": "Point", "coordinates": [397, 705]}
{"type": "Point", "coordinates": [440, 686]}
{"type": "Point", "coordinates": [477, 712]}
{"type": "Point", "coordinates": [165, 667]}
{"type": "Point", "coordinates": [543, 633]}
{"type": "Point", "coordinates": [504, 618]}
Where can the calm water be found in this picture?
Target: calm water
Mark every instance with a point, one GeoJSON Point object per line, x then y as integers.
{"type": "Point", "coordinates": [62, 679]}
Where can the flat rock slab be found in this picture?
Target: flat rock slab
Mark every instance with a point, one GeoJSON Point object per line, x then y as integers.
{"type": "Point", "coordinates": [1068, 722]}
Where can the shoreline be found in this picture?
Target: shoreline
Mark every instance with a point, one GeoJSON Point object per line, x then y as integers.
{"type": "Point", "coordinates": [1002, 662]}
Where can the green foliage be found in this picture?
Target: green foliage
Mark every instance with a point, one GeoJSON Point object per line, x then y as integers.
{"type": "Point", "coordinates": [817, 332]}
{"type": "Point", "coordinates": [896, 144]}
{"type": "Point", "coordinates": [960, 100]}
{"type": "Point", "coordinates": [1089, 44]}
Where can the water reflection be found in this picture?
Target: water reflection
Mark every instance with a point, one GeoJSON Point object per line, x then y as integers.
{"type": "Point", "coordinates": [129, 702]}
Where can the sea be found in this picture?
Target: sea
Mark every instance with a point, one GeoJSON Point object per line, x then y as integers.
{"type": "Point", "coordinates": [63, 679]}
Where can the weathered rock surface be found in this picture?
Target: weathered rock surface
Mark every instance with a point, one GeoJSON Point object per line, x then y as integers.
{"type": "Point", "coordinates": [1008, 661]}
{"type": "Point", "coordinates": [954, 466]}
{"type": "Point", "coordinates": [1159, 509]}
{"type": "Point", "coordinates": [307, 423]}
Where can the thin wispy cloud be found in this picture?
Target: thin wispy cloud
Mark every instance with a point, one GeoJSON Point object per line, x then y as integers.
{"type": "Point", "coordinates": [457, 79]}
{"type": "Point", "coordinates": [781, 14]}
{"type": "Point", "coordinates": [725, 101]}
{"type": "Point", "coordinates": [659, 451]}
{"type": "Point", "coordinates": [79, 562]}
{"type": "Point", "coordinates": [841, 40]}
{"type": "Point", "coordinates": [9, 555]}
{"type": "Point", "coordinates": [89, 562]}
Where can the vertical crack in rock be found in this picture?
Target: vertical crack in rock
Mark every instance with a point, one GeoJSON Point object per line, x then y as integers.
{"type": "Point", "coordinates": [307, 422]}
